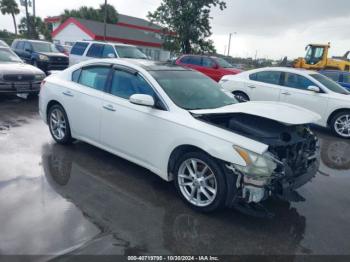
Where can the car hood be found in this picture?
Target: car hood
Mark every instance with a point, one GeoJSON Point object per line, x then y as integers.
{"type": "Point", "coordinates": [18, 68]}
{"type": "Point", "coordinates": [281, 112]}
{"type": "Point", "coordinates": [52, 54]}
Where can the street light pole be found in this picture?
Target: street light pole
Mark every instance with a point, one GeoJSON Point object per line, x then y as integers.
{"type": "Point", "coordinates": [105, 22]}
{"type": "Point", "coordinates": [229, 43]}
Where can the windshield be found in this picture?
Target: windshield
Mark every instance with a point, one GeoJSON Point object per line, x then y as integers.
{"type": "Point", "coordinates": [44, 47]}
{"type": "Point", "coordinates": [223, 63]}
{"type": "Point", "coordinates": [330, 84]}
{"type": "Point", "coordinates": [314, 54]}
{"type": "Point", "coordinates": [191, 90]}
{"type": "Point", "coordinates": [7, 56]}
{"type": "Point", "coordinates": [130, 52]}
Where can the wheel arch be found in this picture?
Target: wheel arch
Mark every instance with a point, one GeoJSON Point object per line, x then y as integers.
{"type": "Point", "coordinates": [334, 113]}
{"type": "Point", "coordinates": [49, 105]}
{"type": "Point", "coordinates": [177, 152]}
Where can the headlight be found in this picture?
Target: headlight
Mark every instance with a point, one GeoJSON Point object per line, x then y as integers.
{"type": "Point", "coordinates": [40, 77]}
{"type": "Point", "coordinates": [43, 58]}
{"type": "Point", "coordinates": [256, 165]}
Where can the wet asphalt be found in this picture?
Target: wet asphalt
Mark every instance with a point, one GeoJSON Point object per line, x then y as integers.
{"type": "Point", "coordinates": [79, 199]}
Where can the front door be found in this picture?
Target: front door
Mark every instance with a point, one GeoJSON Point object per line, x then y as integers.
{"type": "Point", "coordinates": [131, 131]}
{"type": "Point", "coordinates": [294, 91]}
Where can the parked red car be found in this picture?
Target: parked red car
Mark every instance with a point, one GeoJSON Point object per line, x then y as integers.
{"type": "Point", "coordinates": [211, 66]}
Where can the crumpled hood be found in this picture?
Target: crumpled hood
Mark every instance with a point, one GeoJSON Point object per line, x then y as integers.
{"type": "Point", "coordinates": [18, 68]}
{"type": "Point", "coordinates": [281, 112]}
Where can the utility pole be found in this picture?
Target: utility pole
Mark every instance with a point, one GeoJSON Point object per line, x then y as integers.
{"type": "Point", "coordinates": [105, 22]}
{"type": "Point", "coordinates": [33, 9]}
{"type": "Point", "coordinates": [229, 43]}
{"type": "Point", "coordinates": [29, 32]}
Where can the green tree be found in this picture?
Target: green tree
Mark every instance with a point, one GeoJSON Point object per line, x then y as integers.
{"type": "Point", "coordinates": [41, 28]}
{"type": "Point", "coordinates": [10, 7]}
{"type": "Point", "coordinates": [92, 13]}
{"type": "Point", "coordinates": [190, 20]}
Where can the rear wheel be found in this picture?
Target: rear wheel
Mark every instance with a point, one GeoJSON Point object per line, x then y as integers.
{"type": "Point", "coordinates": [240, 96]}
{"type": "Point", "coordinates": [340, 124]}
{"type": "Point", "coordinates": [59, 125]}
{"type": "Point", "coordinates": [200, 181]}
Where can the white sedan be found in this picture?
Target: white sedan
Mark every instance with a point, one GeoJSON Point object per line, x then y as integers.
{"type": "Point", "coordinates": [182, 126]}
{"type": "Point", "coordinates": [307, 89]}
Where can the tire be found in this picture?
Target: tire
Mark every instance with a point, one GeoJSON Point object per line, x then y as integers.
{"type": "Point", "coordinates": [340, 124]}
{"type": "Point", "coordinates": [204, 192]}
{"type": "Point", "coordinates": [241, 97]}
{"type": "Point", "coordinates": [57, 116]}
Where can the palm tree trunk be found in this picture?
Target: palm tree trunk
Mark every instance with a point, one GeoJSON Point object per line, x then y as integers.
{"type": "Point", "coordinates": [14, 22]}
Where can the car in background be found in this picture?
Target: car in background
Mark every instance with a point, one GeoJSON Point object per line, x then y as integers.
{"type": "Point", "coordinates": [3, 44]}
{"type": "Point", "coordinates": [214, 67]}
{"type": "Point", "coordinates": [41, 54]}
{"type": "Point", "coordinates": [201, 138]}
{"type": "Point", "coordinates": [17, 77]}
{"type": "Point", "coordinates": [307, 89]}
{"type": "Point", "coordinates": [64, 49]}
{"type": "Point", "coordinates": [341, 77]}
{"type": "Point", "coordinates": [85, 50]}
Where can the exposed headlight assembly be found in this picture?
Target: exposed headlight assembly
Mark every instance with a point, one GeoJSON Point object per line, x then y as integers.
{"type": "Point", "coordinates": [43, 58]}
{"type": "Point", "coordinates": [256, 165]}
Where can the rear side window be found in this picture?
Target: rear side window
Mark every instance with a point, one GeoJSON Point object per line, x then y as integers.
{"type": "Point", "coordinates": [76, 75]}
{"type": "Point", "coordinates": [94, 77]}
{"type": "Point", "coordinates": [20, 45]}
{"type": "Point", "coordinates": [95, 50]}
{"type": "Point", "coordinates": [332, 75]}
{"type": "Point", "coordinates": [195, 60]}
{"type": "Point", "coordinates": [79, 48]}
{"type": "Point", "coordinates": [269, 77]}
{"type": "Point", "coordinates": [346, 78]}
{"type": "Point", "coordinates": [297, 81]}
{"type": "Point", "coordinates": [207, 62]}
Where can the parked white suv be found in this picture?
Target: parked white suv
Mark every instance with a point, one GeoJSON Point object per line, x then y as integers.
{"type": "Point", "coordinates": [85, 50]}
{"type": "Point", "coordinates": [182, 126]}
{"type": "Point", "coordinates": [307, 89]}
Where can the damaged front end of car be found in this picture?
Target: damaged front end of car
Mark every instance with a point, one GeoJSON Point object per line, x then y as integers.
{"type": "Point", "coordinates": [290, 161]}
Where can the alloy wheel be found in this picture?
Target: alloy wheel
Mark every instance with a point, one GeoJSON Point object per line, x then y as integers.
{"type": "Point", "coordinates": [58, 124]}
{"type": "Point", "coordinates": [342, 125]}
{"type": "Point", "coordinates": [197, 182]}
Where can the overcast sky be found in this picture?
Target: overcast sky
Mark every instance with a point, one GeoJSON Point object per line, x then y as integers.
{"type": "Point", "coordinates": [272, 28]}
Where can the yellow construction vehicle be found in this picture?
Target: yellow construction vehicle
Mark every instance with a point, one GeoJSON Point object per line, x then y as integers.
{"type": "Point", "coordinates": [316, 58]}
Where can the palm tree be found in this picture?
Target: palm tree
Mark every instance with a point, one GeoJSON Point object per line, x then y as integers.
{"type": "Point", "coordinates": [10, 7]}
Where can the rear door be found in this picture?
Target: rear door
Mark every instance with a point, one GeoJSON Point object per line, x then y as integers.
{"type": "Point", "coordinates": [84, 99]}
{"type": "Point", "coordinates": [210, 68]}
{"type": "Point", "coordinates": [294, 91]}
{"type": "Point", "coordinates": [264, 86]}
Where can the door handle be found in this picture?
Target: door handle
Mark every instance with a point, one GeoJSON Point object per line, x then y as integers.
{"type": "Point", "coordinates": [251, 86]}
{"type": "Point", "coordinates": [286, 93]}
{"type": "Point", "coordinates": [109, 107]}
{"type": "Point", "coordinates": [68, 93]}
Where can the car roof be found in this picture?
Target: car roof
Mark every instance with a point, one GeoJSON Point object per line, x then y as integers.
{"type": "Point", "coordinates": [155, 65]}
{"type": "Point", "coordinates": [32, 40]}
{"type": "Point", "coordinates": [285, 69]}
{"type": "Point", "coordinates": [101, 42]}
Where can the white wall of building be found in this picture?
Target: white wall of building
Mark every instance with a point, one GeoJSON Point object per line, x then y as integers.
{"type": "Point", "coordinates": [70, 34]}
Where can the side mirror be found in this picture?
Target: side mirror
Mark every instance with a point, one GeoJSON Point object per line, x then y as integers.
{"type": "Point", "coordinates": [111, 55]}
{"type": "Point", "coordinates": [143, 100]}
{"type": "Point", "coordinates": [315, 89]}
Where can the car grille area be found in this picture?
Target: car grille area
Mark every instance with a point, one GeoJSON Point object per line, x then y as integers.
{"type": "Point", "coordinates": [18, 77]}
{"type": "Point", "coordinates": [19, 83]}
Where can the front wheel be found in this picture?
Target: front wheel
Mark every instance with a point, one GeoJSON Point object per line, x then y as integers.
{"type": "Point", "coordinates": [59, 125]}
{"type": "Point", "coordinates": [340, 124]}
{"type": "Point", "coordinates": [241, 97]}
{"type": "Point", "coordinates": [200, 181]}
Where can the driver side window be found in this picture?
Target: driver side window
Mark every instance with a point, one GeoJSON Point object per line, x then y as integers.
{"type": "Point", "coordinates": [125, 84]}
{"type": "Point", "coordinates": [297, 81]}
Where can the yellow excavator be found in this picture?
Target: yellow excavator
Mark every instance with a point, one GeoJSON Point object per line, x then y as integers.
{"type": "Point", "coordinates": [316, 58]}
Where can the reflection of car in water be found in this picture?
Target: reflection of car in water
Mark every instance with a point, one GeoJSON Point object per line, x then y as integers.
{"type": "Point", "coordinates": [144, 214]}
{"type": "Point", "coordinates": [335, 153]}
